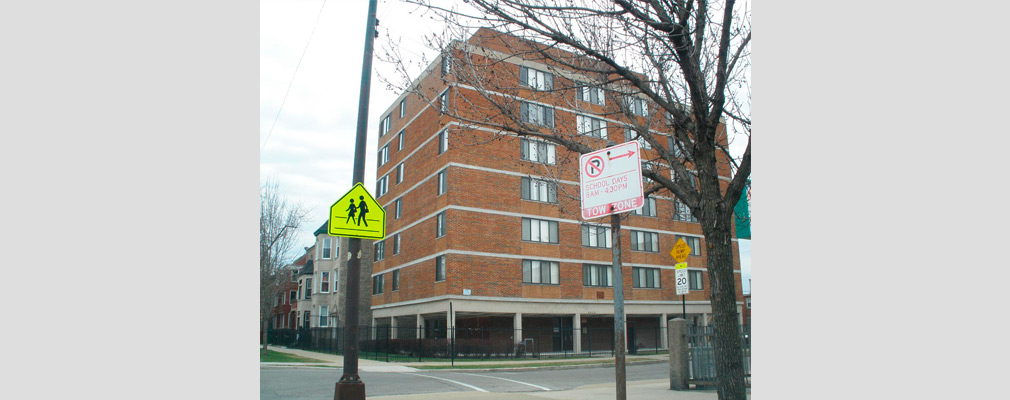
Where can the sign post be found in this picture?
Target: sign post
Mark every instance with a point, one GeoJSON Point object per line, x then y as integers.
{"type": "Point", "coordinates": [610, 182]}
{"type": "Point", "coordinates": [679, 253]}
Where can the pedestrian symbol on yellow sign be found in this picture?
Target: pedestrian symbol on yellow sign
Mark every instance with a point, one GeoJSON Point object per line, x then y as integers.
{"type": "Point", "coordinates": [357, 215]}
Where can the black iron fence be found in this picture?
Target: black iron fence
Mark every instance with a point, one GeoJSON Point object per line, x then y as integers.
{"type": "Point", "coordinates": [701, 353]}
{"type": "Point", "coordinates": [449, 344]}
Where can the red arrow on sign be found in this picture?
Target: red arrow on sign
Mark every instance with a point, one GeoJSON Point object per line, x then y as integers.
{"type": "Point", "coordinates": [628, 154]}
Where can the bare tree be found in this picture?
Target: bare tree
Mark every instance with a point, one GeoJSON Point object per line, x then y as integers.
{"type": "Point", "coordinates": [674, 73]}
{"type": "Point", "coordinates": [279, 223]}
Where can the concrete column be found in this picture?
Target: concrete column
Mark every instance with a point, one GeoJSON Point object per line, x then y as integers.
{"type": "Point", "coordinates": [577, 336]}
{"type": "Point", "coordinates": [392, 327]}
{"type": "Point", "coordinates": [372, 328]}
{"type": "Point", "coordinates": [664, 337]}
{"type": "Point", "coordinates": [420, 326]}
{"type": "Point", "coordinates": [450, 323]}
{"type": "Point", "coordinates": [517, 326]}
{"type": "Point", "coordinates": [677, 336]}
{"type": "Point", "coordinates": [704, 319]}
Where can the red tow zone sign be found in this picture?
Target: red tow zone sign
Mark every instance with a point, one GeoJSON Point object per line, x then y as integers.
{"type": "Point", "coordinates": [610, 180]}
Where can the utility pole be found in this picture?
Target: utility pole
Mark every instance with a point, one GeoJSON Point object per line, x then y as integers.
{"type": "Point", "coordinates": [350, 386]}
{"type": "Point", "coordinates": [619, 339]}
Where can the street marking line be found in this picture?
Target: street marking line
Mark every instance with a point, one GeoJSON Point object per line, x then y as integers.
{"type": "Point", "coordinates": [510, 380]}
{"type": "Point", "coordinates": [447, 380]}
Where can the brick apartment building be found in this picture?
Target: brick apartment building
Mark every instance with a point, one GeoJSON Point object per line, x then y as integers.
{"type": "Point", "coordinates": [489, 221]}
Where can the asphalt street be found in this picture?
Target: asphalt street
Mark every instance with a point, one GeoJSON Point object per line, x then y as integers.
{"type": "Point", "coordinates": [315, 383]}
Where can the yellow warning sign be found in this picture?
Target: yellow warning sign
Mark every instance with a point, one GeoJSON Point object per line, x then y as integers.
{"type": "Point", "coordinates": [357, 215]}
{"type": "Point", "coordinates": [680, 250]}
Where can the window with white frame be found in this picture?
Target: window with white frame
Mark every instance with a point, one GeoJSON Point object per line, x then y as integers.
{"type": "Point", "coordinates": [630, 134]}
{"type": "Point", "coordinates": [384, 126]}
{"type": "Point", "coordinates": [324, 282]}
{"type": "Point", "coordinates": [301, 288]}
{"type": "Point", "coordinates": [536, 114]}
{"type": "Point", "coordinates": [292, 296]}
{"type": "Point", "coordinates": [596, 236]}
{"type": "Point", "coordinates": [439, 268]}
{"type": "Point", "coordinates": [543, 272]}
{"type": "Point", "coordinates": [399, 173]}
{"type": "Point", "coordinates": [647, 166]}
{"type": "Point", "coordinates": [680, 148]}
{"type": "Point", "coordinates": [440, 224]}
{"type": "Point", "coordinates": [382, 186]}
{"type": "Point", "coordinates": [645, 277]}
{"type": "Point", "coordinates": [397, 207]}
{"type": "Point", "coordinates": [377, 283]}
{"type": "Point", "coordinates": [536, 79]}
{"type": "Point", "coordinates": [638, 106]}
{"type": "Point", "coordinates": [383, 156]}
{"type": "Point", "coordinates": [647, 210]}
{"type": "Point", "coordinates": [591, 95]}
{"type": "Point", "coordinates": [333, 276]}
{"type": "Point", "coordinates": [682, 212]}
{"type": "Point", "coordinates": [327, 250]}
{"type": "Point", "coordinates": [324, 316]}
{"type": "Point", "coordinates": [399, 140]}
{"type": "Point", "coordinates": [590, 126]}
{"type": "Point", "coordinates": [539, 230]}
{"type": "Point", "coordinates": [443, 101]}
{"type": "Point", "coordinates": [443, 183]}
{"type": "Point", "coordinates": [396, 280]}
{"type": "Point", "coordinates": [305, 318]}
{"type": "Point", "coordinates": [693, 242]}
{"type": "Point", "coordinates": [403, 107]}
{"type": "Point", "coordinates": [308, 289]}
{"type": "Point", "coordinates": [380, 250]}
{"type": "Point", "coordinates": [536, 151]}
{"type": "Point", "coordinates": [443, 141]}
{"type": "Point", "coordinates": [396, 244]}
{"type": "Point", "coordinates": [645, 241]}
{"type": "Point", "coordinates": [694, 280]}
{"type": "Point", "coordinates": [446, 64]}
{"type": "Point", "coordinates": [597, 275]}
{"type": "Point", "coordinates": [539, 190]}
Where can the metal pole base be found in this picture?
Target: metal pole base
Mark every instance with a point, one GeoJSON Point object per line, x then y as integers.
{"type": "Point", "coordinates": [349, 390]}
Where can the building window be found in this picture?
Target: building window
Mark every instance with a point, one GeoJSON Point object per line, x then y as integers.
{"type": "Point", "coordinates": [694, 280]}
{"type": "Point", "coordinates": [645, 241]}
{"type": "Point", "coordinates": [443, 101]}
{"type": "Point", "coordinates": [645, 277]}
{"type": "Point", "coordinates": [294, 276]}
{"type": "Point", "coordinates": [377, 282]}
{"type": "Point", "coordinates": [748, 302]}
{"type": "Point", "coordinates": [396, 280]}
{"type": "Point", "coordinates": [292, 296]}
{"type": "Point", "coordinates": [399, 140]}
{"type": "Point", "coordinates": [440, 224]}
{"type": "Point", "coordinates": [597, 275]}
{"type": "Point", "coordinates": [590, 94]}
{"type": "Point", "coordinates": [301, 289]}
{"type": "Point", "coordinates": [397, 207]}
{"type": "Point", "coordinates": [590, 126]}
{"type": "Point", "coordinates": [306, 318]}
{"type": "Point", "coordinates": [324, 282]}
{"type": "Point", "coordinates": [399, 173]}
{"type": "Point", "coordinates": [630, 134]}
{"type": "Point", "coordinates": [327, 248]}
{"type": "Point", "coordinates": [382, 186]}
{"type": "Point", "coordinates": [647, 210]}
{"type": "Point", "coordinates": [439, 268]}
{"type": "Point", "coordinates": [596, 236]}
{"type": "Point", "coordinates": [443, 141]}
{"type": "Point", "coordinates": [396, 244]}
{"type": "Point", "coordinates": [647, 166]}
{"type": "Point", "coordinates": [446, 65]}
{"type": "Point", "coordinates": [680, 149]}
{"type": "Point", "coordinates": [545, 272]}
{"type": "Point", "coordinates": [324, 316]}
{"type": "Point", "coordinates": [536, 79]}
{"type": "Point", "coordinates": [443, 184]}
{"type": "Point", "coordinates": [536, 114]}
{"type": "Point", "coordinates": [637, 106]}
{"type": "Point", "coordinates": [682, 212]}
{"type": "Point", "coordinates": [541, 152]}
{"type": "Point", "coordinates": [403, 108]}
{"type": "Point", "coordinates": [308, 289]}
{"type": "Point", "coordinates": [380, 250]}
{"type": "Point", "coordinates": [693, 242]}
{"type": "Point", "coordinates": [383, 155]}
{"type": "Point", "coordinates": [384, 126]}
{"type": "Point", "coordinates": [538, 230]}
{"type": "Point", "coordinates": [539, 190]}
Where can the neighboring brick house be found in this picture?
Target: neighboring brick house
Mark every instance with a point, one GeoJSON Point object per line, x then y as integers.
{"type": "Point", "coordinates": [286, 304]}
{"type": "Point", "coordinates": [486, 220]}
{"type": "Point", "coordinates": [319, 283]}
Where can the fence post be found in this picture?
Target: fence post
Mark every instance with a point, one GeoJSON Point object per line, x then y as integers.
{"type": "Point", "coordinates": [419, 344]}
{"type": "Point", "coordinates": [389, 333]}
{"type": "Point", "coordinates": [677, 331]}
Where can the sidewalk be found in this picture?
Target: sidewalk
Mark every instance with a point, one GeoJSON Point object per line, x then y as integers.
{"type": "Point", "coordinates": [650, 389]}
{"type": "Point", "coordinates": [334, 360]}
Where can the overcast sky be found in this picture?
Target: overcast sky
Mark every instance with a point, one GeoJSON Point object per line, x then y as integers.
{"type": "Point", "coordinates": [308, 147]}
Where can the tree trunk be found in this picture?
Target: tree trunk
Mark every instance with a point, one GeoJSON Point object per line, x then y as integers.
{"type": "Point", "coordinates": [266, 326]}
{"type": "Point", "coordinates": [728, 353]}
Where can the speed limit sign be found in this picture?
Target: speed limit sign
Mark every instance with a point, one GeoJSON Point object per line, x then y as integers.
{"type": "Point", "coordinates": [681, 278]}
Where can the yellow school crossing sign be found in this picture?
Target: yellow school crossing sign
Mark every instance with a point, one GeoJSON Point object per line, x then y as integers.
{"type": "Point", "coordinates": [357, 215]}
